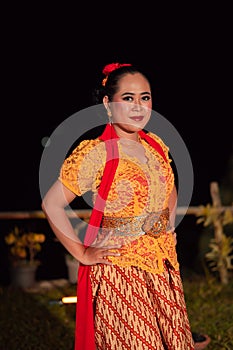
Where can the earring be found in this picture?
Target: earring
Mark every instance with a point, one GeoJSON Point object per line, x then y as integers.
{"type": "Point", "coordinates": [109, 113]}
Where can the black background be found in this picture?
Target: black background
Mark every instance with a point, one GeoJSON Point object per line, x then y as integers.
{"type": "Point", "coordinates": [52, 57]}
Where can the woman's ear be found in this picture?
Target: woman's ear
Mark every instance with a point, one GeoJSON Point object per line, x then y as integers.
{"type": "Point", "coordinates": [106, 102]}
{"type": "Point", "coordinates": [107, 106]}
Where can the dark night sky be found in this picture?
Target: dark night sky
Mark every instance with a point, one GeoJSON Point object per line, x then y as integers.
{"type": "Point", "coordinates": [51, 62]}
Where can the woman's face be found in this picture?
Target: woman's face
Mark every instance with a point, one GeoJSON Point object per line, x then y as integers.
{"type": "Point", "coordinates": [131, 105]}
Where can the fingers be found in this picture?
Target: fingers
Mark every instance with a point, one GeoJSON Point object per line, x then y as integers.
{"type": "Point", "coordinates": [104, 240]}
{"type": "Point", "coordinates": [115, 246]}
{"type": "Point", "coordinates": [95, 255]}
{"type": "Point", "coordinates": [108, 252]}
{"type": "Point", "coordinates": [102, 245]}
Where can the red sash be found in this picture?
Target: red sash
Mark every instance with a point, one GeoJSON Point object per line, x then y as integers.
{"type": "Point", "coordinates": [84, 332]}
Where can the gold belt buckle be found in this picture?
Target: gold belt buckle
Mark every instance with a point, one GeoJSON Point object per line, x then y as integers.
{"type": "Point", "coordinates": [156, 223]}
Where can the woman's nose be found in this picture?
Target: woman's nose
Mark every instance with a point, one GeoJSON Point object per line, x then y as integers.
{"type": "Point", "coordinates": [137, 103]}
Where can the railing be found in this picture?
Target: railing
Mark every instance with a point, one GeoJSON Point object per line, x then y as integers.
{"type": "Point", "coordinates": [216, 208]}
{"type": "Point", "coordinates": [39, 214]}
{"type": "Point", "coordinates": [85, 213]}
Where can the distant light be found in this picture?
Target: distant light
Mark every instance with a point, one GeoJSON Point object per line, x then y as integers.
{"type": "Point", "coordinates": [69, 300]}
{"type": "Point", "coordinates": [45, 141]}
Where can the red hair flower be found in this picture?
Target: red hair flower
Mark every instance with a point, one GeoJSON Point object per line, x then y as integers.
{"type": "Point", "coordinates": [110, 68]}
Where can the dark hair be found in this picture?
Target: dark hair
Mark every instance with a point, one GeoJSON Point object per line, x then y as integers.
{"type": "Point", "coordinates": [112, 81]}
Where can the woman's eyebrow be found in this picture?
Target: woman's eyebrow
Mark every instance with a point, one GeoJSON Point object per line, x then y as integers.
{"type": "Point", "coordinates": [132, 93]}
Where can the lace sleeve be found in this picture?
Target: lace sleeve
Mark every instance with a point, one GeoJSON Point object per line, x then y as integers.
{"type": "Point", "coordinates": [79, 171]}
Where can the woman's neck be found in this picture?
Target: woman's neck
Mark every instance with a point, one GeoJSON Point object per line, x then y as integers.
{"type": "Point", "coordinates": [133, 136]}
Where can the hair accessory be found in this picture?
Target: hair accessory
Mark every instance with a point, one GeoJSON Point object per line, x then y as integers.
{"type": "Point", "coordinates": [110, 68]}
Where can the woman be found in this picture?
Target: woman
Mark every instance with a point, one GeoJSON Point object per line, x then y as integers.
{"type": "Point", "coordinates": [130, 294]}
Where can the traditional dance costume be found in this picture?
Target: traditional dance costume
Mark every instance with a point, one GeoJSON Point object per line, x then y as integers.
{"type": "Point", "coordinates": [138, 302]}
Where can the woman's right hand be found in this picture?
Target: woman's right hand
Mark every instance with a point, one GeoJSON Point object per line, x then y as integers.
{"type": "Point", "coordinates": [98, 252]}
{"type": "Point", "coordinates": [98, 255]}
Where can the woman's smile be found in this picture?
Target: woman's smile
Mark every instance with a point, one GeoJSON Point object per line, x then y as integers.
{"type": "Point", "coordinates": [138, 118]}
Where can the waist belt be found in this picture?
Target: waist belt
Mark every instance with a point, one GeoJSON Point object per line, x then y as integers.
{"type": "Point", "coordinates": [152, 224]}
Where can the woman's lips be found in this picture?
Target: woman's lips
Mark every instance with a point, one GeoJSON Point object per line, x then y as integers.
{"type": "Point", "coordinates": [137, 118]}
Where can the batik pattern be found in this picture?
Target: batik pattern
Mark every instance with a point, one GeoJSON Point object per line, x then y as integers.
{"type": "Point", "coordinates": [138, 310]}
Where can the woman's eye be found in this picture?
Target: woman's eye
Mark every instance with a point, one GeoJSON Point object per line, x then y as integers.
{"type": "Point", "coordinates": [131, 98]}
{"type": "Point", "coordinates": [128, 98]}
{"type": "Point", "coordinates": [146, 98]}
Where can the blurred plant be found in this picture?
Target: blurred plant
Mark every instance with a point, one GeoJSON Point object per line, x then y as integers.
{"type": "Point", "coordinates": [209, 214]}
{"type": "Point", "coordinates": [219, 257]}
{"type": "Point", "coordinates": [24, 246]}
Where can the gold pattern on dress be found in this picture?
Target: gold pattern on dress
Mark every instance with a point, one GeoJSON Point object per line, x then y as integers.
{"type": "Point", "coordinates": [152, 224]}
{"type": "Point", "coordinates": [127, 226]}
{"type": "Point", "coordinates": [156, 223]}
{"type": "Point", "coordinates": [137, 189]}
{"type": "Point", "coordinates": [146, 240]}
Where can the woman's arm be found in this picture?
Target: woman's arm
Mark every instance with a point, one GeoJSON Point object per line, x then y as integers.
{"type": "Point", "coordinates": [53, 205]}
{"type": "Point", "coordinates": [172, 205]}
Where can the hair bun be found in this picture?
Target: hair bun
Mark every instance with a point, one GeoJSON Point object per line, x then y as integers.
{"type": "Point", "coordinates": [113, 66]}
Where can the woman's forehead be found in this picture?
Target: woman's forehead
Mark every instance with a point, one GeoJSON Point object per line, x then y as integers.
{"type": "Point", "coordinates": [133, 82]}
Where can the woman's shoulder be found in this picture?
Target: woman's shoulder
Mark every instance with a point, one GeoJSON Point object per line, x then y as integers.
{"type": "Point", "coordinates": [158, 139]}
{"type": "Point", "coordinates": [85, 146]}
{"type": "Point", "coordinates": [91, 149]}
{"type": "Point", "coordinates": [88, 143]}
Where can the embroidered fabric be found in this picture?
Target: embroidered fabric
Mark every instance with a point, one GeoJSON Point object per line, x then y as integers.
{"type": "Point", "coordinates": [137, 189]}
{"type": "Point", "coordinates": [146, 241]}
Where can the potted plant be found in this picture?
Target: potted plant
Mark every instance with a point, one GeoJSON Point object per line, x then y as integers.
{"type": "Point", "coordinates": [24, 247]}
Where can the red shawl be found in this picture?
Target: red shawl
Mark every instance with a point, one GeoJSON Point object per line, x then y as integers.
{"type": "Point", "coordinates": [84, 333]}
